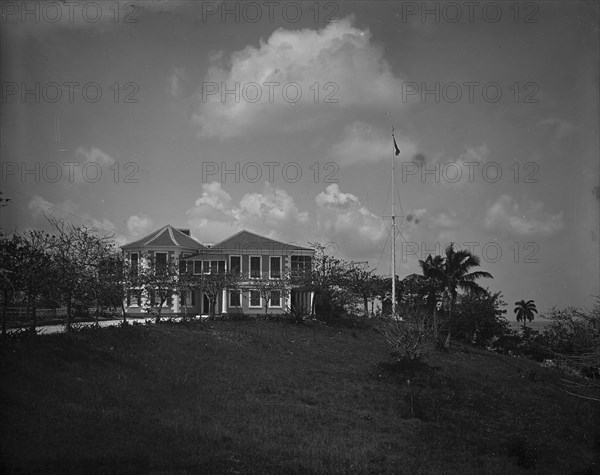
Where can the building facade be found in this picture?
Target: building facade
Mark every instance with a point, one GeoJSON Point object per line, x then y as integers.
{"type": "Point", "coordinates": [257, 260]}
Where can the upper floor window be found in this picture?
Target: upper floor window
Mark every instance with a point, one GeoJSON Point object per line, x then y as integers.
{"type": "Point", "coordinates": [300, 265]}
{"type": "Point", "coordinates": [275, 267]}
{"type": "Point", "coordinates": [197, 267]}
{"type": "Point", "coordinates": [255, 271]}
{"type": "Point", "coordinates": [134, 260]}
{"type": "Point", "coordinates": [213, 267]}
{"type": "Point", "coordinates": [182, 264]}
{"type": "Point", "coordinates": [235, 264]}
{"type": "Point", "coordinates": [161, 260]}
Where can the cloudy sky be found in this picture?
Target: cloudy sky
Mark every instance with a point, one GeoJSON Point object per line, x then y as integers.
{"type": "Point", "coordinates": [276, 117]}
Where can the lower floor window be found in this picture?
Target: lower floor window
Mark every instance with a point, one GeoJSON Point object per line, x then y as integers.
{"type": "Point", "coordinates": [134, 297]}
{"type": "Point", "coordinates": [235, 299]}
{"type": "Point", "coordinates": [254, 298]}
{"type": "Point", "coordinates": [275, 299]}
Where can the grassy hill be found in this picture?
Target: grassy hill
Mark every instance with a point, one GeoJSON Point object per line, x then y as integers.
{"type": "Point", "coordinates": [265, 397]}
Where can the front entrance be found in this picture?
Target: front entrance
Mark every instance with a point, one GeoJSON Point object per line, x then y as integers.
{"type": "Point", "coordinates": [206, 306]}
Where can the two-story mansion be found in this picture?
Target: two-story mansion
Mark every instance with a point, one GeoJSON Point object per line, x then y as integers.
{"type": "Point", "coordinates": [255, 257]}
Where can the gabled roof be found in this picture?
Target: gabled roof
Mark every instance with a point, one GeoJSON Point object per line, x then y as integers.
{"type": "Point", "coordinates": [247, 240]}
{"type": "Point", "coordinates": [167, 236]}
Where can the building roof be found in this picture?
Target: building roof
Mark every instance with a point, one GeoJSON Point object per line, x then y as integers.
{"type": "Point", "coordinates": [167, 236]}
{"type": "Point", "coordinates": [248, 240]}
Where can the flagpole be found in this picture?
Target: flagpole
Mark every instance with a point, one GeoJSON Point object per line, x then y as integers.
{"type": "Point", "coordinates": [393, 226]}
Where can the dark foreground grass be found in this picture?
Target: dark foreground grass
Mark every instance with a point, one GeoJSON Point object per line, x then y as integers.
{"type": "Point", "coordinates": [271, 397]}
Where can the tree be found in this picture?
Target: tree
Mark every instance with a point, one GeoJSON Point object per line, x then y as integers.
{"type": "Point", "coordinates": [9, 273]}
{"type": "Point", "coordinates": [452, 271]}
{"type": "Point", "coordinates": [112, 283]}
{"type": "Point", "coordinates": [186, 282]}
{"type": "Point", "coordinates": [35, 274]}
{"type": "Point", "coordinates": [525, 311]}
{"type": "Point", "coordinates": [215, 283]}
{"type": "Point", "coordinates": [326, 280]}
{"type": "Point", "coordinates": [76, 254]}
{"type": "Point", "coordinates": [362, 282]}
{"type": "Point", "coordinates": [159, 280]}
{"type": "Point", "coordinates": [268, 288]}
{"type": "Point", "coordinates": [479, 317]}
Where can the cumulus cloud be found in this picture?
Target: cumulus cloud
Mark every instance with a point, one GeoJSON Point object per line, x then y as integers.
{"type": "Point", "coordinates": [272, 213]}
{"type": "Point", "coordinates": [338, 218]}
{"type": "Point", "coordinates": [506, 216]}
{"type": "Point", "coordinates": [346, 221]}
{"type": "Point", "coordinates": [335, 67]}
{"type": "Point", "coordinates": [138, 225]}
{"type": "Point", "coordinates": [361, 143]}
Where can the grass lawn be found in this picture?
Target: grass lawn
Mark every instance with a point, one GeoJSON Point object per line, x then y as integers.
{"type": "Point", "coordinates": [272, 397]}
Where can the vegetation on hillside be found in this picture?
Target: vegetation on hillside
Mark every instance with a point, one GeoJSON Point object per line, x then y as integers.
{"type": "Point", "coordinates": [273, 397]}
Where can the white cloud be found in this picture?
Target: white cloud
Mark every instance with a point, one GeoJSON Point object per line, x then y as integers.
{"type": "Point", "coordinates": [272, 213]}
{"type": "Point", "coordinates": [338, 218]}
{"type": "Point", "coordinates": [340, 55]}
{"type": "Point", "coordinates": [139, 225]}
{"type": "Point", "coordinates": [506, 216]}
{"type": "Point", "coordinates": [361, 143]}
{"type": "Point", "coordinates": [343, 219]}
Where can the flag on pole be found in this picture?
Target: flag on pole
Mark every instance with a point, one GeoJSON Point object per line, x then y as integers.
{"type": "Point", "coordinates": [396, 146]}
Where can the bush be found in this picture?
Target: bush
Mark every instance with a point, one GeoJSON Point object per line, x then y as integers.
{"type": "Point", "coordinates": [411, 339]}
{"type": "Point", "coordinates": [479, 319]}
{"type": "Point", "coordinates": [296, 316]}
{"type": "Point", "coordinates": [574, 336]}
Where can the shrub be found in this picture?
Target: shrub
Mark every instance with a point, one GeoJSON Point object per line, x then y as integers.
{"type": "Point", "coordinates": [296, 315]}
{"type": "Point", "coordinates": [412, 338]}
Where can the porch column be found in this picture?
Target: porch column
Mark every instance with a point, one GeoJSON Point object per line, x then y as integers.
{"type": "Point", "coordinates": [175, 303]}
{"type": "Point", "coordinates": [288, 300]}
{"type": "Point", "coordinates": [224, 306]}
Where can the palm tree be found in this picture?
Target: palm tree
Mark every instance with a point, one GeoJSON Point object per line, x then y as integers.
{"type": "Point", "coordinates": [453, 274]}
{"type": "Point", "coordinates": [525, 311]}
{"type": "Point", "coordinates": [431, 285]}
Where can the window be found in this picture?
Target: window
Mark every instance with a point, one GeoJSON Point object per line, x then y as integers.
{"type": "Point", "coordinates": [255, 267]}
{"type": "Point", "coordinates": [275, 267]}
{"type": "Point", "coordinates": [235, 298]}
{"type": "Point", "coordinates": [275, 299]}
{"type": "Point", "coordinates": [182, 265]}
{"type": "Point", "coordinates": [134, 263]}
{"type": "Point", "coordinates": [235, 264]}
{"type": "Point", "coordinates": [161, 260]}
{"type": "Point", "coordinates": [197, 267]}
{"type": "Point", "coordinates": [300, 265]}
{"type": "Point", "coordinates": [134, 298]}
{"type": "Point", "coordinates": [254, 298]}
{"type": "Point", "coordinates": [213, 267]}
